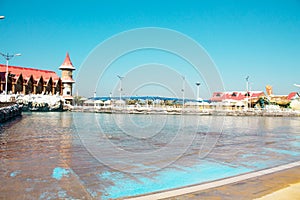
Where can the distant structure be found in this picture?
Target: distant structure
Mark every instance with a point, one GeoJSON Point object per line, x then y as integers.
{"type": "Point", "coordinates": [23, 80]}
{"type": "Point", "coordinates": [269, 90]}
{"type": "Point", "coordinates": [237, 96]}
{"type": "Point", "coordinates": [67, 69]}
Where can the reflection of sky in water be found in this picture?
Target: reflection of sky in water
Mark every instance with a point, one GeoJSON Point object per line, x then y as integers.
{"type": "Point", "coordinates": [246, 144]}
{"type": "Point", "coordinates": [167, 178]}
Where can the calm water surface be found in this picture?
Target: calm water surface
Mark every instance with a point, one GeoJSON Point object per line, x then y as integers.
{"type": "Point", "coordinates": [103, 156]}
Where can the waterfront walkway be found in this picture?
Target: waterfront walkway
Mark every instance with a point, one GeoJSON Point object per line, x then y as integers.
{"type": "Point", "coordinates": [282, 182]}
{"type": "Point", "coordinates": [169, 110]}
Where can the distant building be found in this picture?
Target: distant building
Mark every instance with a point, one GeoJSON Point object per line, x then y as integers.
{"type": "Point", "coordinates": [29, 81]}
{"type": "Point", "coordinates": [237, 96]}
{"type": "Point", "coordinates": [67, 69]}
{"type": "Point", "coordinates": [22, 80]}
{"type": "Point", "coordinates": [283, 100]}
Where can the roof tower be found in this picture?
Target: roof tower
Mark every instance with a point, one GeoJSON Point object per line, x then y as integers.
{"type": "Point", "coordinates": [67, 64]}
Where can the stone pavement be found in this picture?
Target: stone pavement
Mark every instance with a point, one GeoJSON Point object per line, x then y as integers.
{"type": "Point", "coordinates": [250, 186]}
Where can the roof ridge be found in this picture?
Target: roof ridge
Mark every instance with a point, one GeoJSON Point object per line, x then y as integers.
{"type": "Point", "coordinates": [27, 68]}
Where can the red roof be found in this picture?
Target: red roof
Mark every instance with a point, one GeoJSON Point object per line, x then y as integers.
{"type": "Point", "coordinates": [67, 64]}
{"type": "Point", "coordinates": [257, 94]}
{"type": "Point", "coordinates": [218, 96]}
{"type": "Point", "coordinates": [291, 95]}
{"type": "Point", "coordinates": [26, 73]}
{"type": "Point", "coordinates": [238, 96]}
{"type": "Point", "coordinates": [234, 96]}
{"type": "Point", "coordinates": [67, 60]}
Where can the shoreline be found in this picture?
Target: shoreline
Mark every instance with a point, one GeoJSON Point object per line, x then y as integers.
{"type": "Point", "coordinates": [188, 111]}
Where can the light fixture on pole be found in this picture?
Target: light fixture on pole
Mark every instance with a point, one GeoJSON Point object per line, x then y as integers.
{"type": "Point", "coordinates": [2, 17]}
{"type": "Point", "coordinates": [297, 85]}
{"type": "Point", "coordinates": [7, 58]}
{"type": "Point", "coordinates": [121, 78]}
{"type": "Point", "coordinates": [247, 88]}
{"type": "Point", "coordinates": [198, 90]}
{"type": "Point", "coordinates": [183, 88]}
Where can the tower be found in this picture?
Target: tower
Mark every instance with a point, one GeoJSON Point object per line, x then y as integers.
{"type": "Point", "coordinates": [67, 79]}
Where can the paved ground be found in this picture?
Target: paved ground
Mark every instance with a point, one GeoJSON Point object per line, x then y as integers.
{"type": "Point", "coordinates": [291, 192]}
{"type": "Point", "coordinates": [255, 188]}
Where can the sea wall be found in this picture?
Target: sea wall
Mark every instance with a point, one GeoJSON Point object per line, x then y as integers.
{"type": "Point", "coordinates": [189, 111]}
{"type": "Point", "coordinates": [9, 111]}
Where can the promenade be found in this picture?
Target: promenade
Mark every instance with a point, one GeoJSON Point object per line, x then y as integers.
{"type": "Point", "coordinates": [216, 111]}
{"type": "Point", "coordinates": [280, 185]}
{"type": "Point", "coordinates": [280, 182]}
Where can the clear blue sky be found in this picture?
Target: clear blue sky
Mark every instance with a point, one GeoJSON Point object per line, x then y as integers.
{"type": "Point", "coordinates": [256, 38]}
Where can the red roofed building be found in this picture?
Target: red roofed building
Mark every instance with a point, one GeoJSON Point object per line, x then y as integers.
{"type": "Point", "coordinates": [217, 97]}
{"type": "Point", "coordinates": [24, 80]}
{"type": "Point", "coordinates": [283, 100]}
{"type": "Point", "coordinates": [293, 95]}
{"type": "Point", "coordinates": [29, 80]}
{"type": "Point", "coordinates": [237, 96]}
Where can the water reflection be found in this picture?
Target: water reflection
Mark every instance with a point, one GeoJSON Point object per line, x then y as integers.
{"type": "Point", "coordinates": [43, 155]}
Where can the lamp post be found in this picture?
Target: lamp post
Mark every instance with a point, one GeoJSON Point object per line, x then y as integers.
{"type": "Point", "coordinates": [120, 77]}
{"type": "Point", "coordinates": [183, 88]}
{"type": "Point", "coordinates": [247, 90]}
{"type": "Point", "coordinates": [297, 85]}
{"type": "Point", "coordinates": [2, 17]}
{"type": "Point", "coordinates": [7, 58]}
{"type": "Point", "coordinates": [198, 90]}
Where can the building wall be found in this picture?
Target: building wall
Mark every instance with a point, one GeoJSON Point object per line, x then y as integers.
{"type": "Point", "coordinates": [21, 87]}
{"type": "Point", "coordinates": [66, 74]}
{"type": "Point", "coordinates": [67, 91]}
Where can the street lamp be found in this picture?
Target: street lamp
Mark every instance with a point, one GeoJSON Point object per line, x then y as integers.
{"type": "Point", "coordinates": [7, 58]}
{"type": "Point", "coordinates": [247, 88]}
{"type": "Point", "coordinates": [297, 85]}
{"type": "Point", "coordinates": [120, 77]}
{"type": "Point", "coordinates": [2, 17]}
{"type": "Point", "coordinates": [183, 88]}
{"type": "Point", "coordinates": [198, 90]}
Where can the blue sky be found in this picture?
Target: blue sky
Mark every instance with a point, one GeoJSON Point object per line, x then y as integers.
{"type": "Point", "coordinates": [256, 38]}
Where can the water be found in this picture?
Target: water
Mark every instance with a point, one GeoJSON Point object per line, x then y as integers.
{"type": "Point", "coordinates": [103, 156]}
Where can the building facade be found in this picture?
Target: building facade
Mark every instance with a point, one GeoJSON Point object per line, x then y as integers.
{"type": "Point", "coordinates": [67, 69]}
{"type": "Point", "coordinates": [22, 80]}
